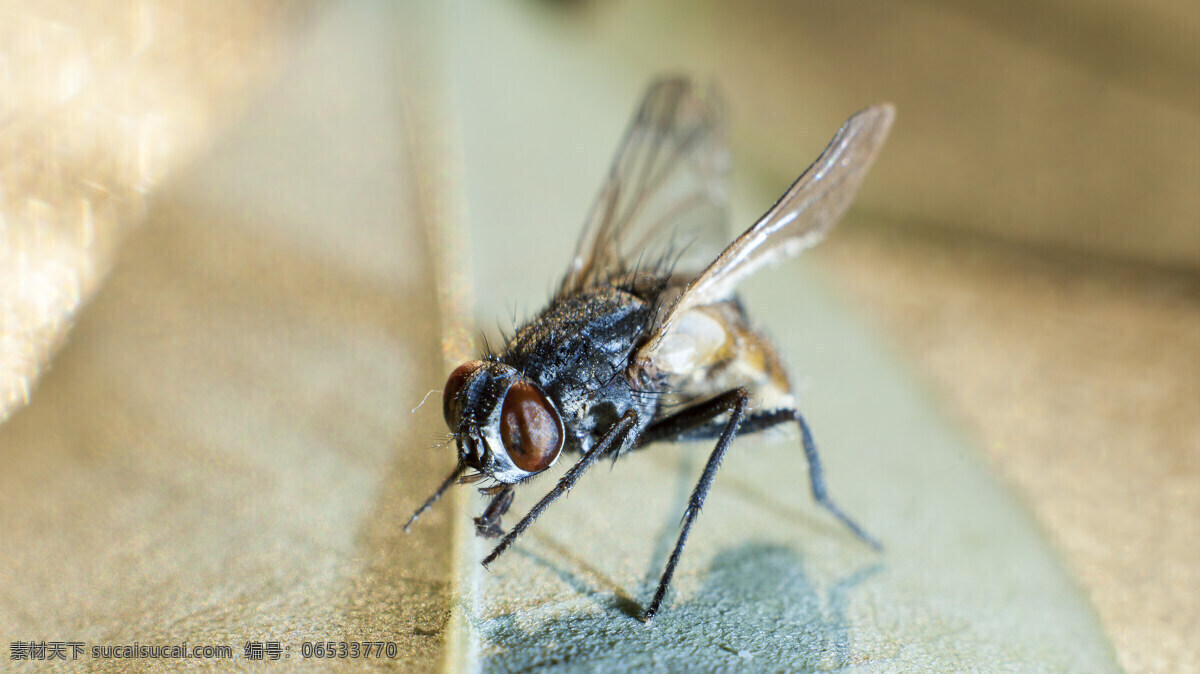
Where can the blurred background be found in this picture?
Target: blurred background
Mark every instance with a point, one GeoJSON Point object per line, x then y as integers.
{"type": "Point", "coordinates": [290, 177]}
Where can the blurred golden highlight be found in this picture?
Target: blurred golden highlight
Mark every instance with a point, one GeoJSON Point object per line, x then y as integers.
{"type": "Point", "coordinates": [98, 102]}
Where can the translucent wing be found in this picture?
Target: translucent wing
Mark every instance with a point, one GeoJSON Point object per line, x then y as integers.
{"type": "Point", "coordinates": [666, 195]}
{"type": "Point", "coordinates": [799, 220]}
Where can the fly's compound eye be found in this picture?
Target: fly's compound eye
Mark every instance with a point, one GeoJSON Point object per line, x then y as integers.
{"type": "Point", "coordinates": [454, 384]}
{"type": "Point", "coordinates": [530, 428]}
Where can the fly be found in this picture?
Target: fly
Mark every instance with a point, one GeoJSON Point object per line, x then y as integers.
{"type": "Point", "coordinates": [632, 349]}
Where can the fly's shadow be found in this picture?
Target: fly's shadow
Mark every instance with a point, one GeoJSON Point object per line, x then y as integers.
{"type": "Point", "coordinates": [757, 610]}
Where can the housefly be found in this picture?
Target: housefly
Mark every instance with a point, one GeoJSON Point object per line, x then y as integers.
{"type": "Point", "coordinates": [633, 349]}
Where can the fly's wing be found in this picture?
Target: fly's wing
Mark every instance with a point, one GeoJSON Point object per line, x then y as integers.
{"type": "Point", "coordinates": [666, 196]}
{"type": "Point", "coordinates": [799, 220]}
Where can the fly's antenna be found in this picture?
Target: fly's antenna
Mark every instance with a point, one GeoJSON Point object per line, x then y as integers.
{"type": "Point", "coordinates": [458, 470]}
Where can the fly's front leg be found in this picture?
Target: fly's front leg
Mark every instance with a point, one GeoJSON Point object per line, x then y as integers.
{"type": "Point", "coordinates": [735, 403]}
{"type": "Point", "coordinates": [614, 439]}
{"type": "Point", "coordinates": [458, 471]}
{"type": "Point", "coordinates": [487, 525]}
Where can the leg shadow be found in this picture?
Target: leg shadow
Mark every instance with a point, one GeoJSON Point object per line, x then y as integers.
{"type": "Point", "coordinates": [757, 610]}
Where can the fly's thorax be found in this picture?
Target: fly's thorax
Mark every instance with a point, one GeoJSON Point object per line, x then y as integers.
{"type": "Point", "coordinates": [578, 350]}
{"type": "Point", "coordinates": [505, 425]}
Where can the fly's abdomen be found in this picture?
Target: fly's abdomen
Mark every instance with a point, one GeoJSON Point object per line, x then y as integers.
{"type": "Point", "coordinates": [713, 349]}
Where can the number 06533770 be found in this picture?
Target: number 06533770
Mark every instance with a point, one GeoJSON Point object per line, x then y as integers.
{"type": "Point", "coordinates": [349, 649]}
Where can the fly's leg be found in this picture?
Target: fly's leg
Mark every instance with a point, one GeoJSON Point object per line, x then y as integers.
{"type": "Point", "coordinates": [487, 525]}
{"type": "Point", "coordinates": [816, 480]}
{"type": "Point", "coordinates": [436, 495]}
{"type": "Point", "coordinates": [613, 441]}
{"type": "Point", "coordinates": [671, 429]}
{"type": "Point", "coordinates": [816, 476]}
{"type": "Point", "coordinates": [675, 429]}
{"type": "Point", "coordinates": [734, 402]}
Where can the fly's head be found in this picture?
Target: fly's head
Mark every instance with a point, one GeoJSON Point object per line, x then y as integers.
{"type": "Point", "coordinates": [504, 424]}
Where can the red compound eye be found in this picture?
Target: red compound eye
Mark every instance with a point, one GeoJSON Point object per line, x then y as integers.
{"type": "Point", "coordinates": [530, 428]}
{"type": "Point", "coordinates": [454, 384]}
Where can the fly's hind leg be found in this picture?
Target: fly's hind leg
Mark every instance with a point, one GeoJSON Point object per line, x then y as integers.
{"type": "Point", "coordinates": [734, 402]}
{"type": "Point", "coordinates": [672, 429]}
{"type": "Point", "coordinates": [816, 476]}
